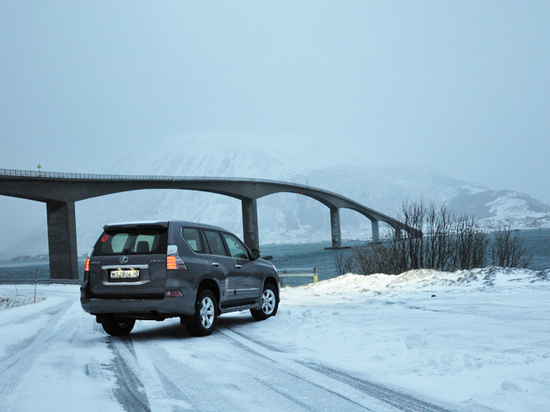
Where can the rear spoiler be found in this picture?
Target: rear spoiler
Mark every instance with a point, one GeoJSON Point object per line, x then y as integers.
{"type": "Point", "coordinates": [135, 225]}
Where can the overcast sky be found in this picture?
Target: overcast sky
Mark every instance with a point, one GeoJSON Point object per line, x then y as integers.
{"type": "Point", "coordinates": [462, 87]}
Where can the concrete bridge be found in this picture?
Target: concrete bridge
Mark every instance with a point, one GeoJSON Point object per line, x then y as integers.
{"type": "Point", "coordinates": [60, 191]}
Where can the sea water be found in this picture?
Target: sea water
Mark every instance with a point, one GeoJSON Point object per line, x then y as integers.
{"type": "Point", "coordinates": [295, 256]}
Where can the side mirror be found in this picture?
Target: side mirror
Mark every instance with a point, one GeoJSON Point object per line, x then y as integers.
{"type": "Point", "coordinates": [255, 254]}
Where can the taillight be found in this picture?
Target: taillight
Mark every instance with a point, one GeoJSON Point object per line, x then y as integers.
{"type": "Point", "coordinates": [173, 260]}
{"type": "Point", "coordinates": [171, 263]}
{"type": "Point", "coordinates": [87, 265]}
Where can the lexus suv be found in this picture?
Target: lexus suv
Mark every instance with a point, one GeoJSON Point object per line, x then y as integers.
{"type": "Point", "coordinates": [158, 270]}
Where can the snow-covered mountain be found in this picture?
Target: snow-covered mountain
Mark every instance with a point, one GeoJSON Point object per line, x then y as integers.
{"type": "Point", "coordinates": [504, 206]}
{"type": "Point", "coordinates": [283, 218]}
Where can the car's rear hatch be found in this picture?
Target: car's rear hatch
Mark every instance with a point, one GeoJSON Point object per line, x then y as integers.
{"type": "Point", "coordinates": [129, 262]}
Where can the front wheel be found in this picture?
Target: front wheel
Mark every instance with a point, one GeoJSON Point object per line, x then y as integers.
{"type": "Point", "coordinates": [270, 303]}
{"type": "Point", "coordinates": [206, 315]}
{"type": "Point", "coordinates": [117, 326]}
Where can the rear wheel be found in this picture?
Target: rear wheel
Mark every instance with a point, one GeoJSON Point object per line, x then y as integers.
{"type": "Point", "coordinates": [206, 314]}
{"type": "Point", "coordinates": [270, 303]}
{"type": "Point", "coordinates": [117, 326]}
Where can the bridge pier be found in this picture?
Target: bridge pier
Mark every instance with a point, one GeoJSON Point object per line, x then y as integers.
{"type": "Point", "coordinates": [62, 240]}
{"type": "Point", "coordinates": [375, 231]}
{"type": "Point", "coordinates": [250, 223]}
{"type": "Point", "coordinates": [335, 228]}
{"type": "Point", "coordinates": [397, 233]}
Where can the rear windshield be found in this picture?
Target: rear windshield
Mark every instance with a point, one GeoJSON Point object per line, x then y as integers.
{"type": "Point", "coordinates": [132, 242]}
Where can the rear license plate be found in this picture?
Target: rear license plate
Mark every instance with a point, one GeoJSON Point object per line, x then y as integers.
{"type": "Point", "coordinates": [123, 274]}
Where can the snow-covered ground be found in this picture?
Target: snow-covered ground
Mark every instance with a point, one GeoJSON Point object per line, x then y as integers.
{"type": "Point", "coordinates": [422, 341]}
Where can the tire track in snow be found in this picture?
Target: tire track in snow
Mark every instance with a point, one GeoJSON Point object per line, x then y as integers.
{"type": "Point", "coordinates": [21, 356]}
{"type": "Point", "coordinates": [185, 383]}
{"type": "Point", "coordinates": [297, 380]}
{"type": "Point", "coordinates": [9, 359]}
{"type": "Point", "coordinates": [130, 392]}
{"type": "Point", "coordinates": [226, 375]}
{"type": "Point", "coordinates": [392, 397]}
{"type": "Point", "coordinates": [141, 385]}
{"type": "Point", "coordinates": [353, 390]}
{"type": "Point", "coordinates": [244, 381]}
{"type": "Point", "coordinates": [150, 378]}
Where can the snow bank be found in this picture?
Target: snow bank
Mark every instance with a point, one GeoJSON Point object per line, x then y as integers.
{"type": "Point", "coordinates": [421, 279]}
{"type": "Point", "coordinates": [7, 302]}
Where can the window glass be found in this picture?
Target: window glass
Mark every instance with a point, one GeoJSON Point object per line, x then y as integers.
{"type": "Point", "coordinates": [215, 242]}
{"type": "Point", "coordinates": [145, 243]}
{"type": "Point", "coordinates": [117, 243]}
{"type": "Point", "coordinates": [132, 242]}
{"type": "Point", "coordinates": [193, 238]}
{"type": "Point", "coordinates": [236, 248]}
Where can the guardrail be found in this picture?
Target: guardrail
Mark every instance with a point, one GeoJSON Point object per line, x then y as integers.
{"type": "Point", "coordinates": [40, 281]}
{"type": "Point", "coordinates": [95, 176]}
{"type": "Point", "coordinates": [297, 272]}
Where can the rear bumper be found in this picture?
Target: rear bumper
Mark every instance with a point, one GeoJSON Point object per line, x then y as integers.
{"type": "Point", "coordinates": [140, 308]}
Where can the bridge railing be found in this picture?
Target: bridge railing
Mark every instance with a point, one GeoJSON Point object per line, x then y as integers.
{"type": "Point", "coordinates": [88, 176]}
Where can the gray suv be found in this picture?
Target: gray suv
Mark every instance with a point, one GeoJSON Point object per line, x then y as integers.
{"type": "Point", "coordinates": [158, 270]}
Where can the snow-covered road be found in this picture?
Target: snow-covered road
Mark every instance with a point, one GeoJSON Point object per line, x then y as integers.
{"type": "Point", "coordinates": [423, 341]}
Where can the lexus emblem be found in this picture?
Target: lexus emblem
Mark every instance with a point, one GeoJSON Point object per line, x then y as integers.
{"type": "Point", "coordinates": [124, 260]}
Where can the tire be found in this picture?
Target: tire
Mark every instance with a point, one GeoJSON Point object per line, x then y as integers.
{"type": "Point", "coordinates": [117, 326]}
{"type": "Point", "coordinates": [270, 304]}
{"type": "Point", "coordinates": [204, 321]}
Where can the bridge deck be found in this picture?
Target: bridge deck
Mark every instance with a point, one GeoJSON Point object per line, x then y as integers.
{"type": "Point", "coordinates": [60, 191]}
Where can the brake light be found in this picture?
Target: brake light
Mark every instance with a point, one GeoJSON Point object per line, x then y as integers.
{"type": "Point", "coordinates": [87, 265]}
{"type": "Point", "coordinates": [173, 260]}
{"type": "Point", "coordinates": [171, 263]}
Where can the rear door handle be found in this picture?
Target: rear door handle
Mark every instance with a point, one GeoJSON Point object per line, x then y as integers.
{"type": "Point", "coordinates": [215, 264]}
{"type": "Point", "coordinates": [238, 266]}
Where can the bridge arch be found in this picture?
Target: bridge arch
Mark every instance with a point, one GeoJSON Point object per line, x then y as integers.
{"type": "Point", "coordinates": [60, 191]}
